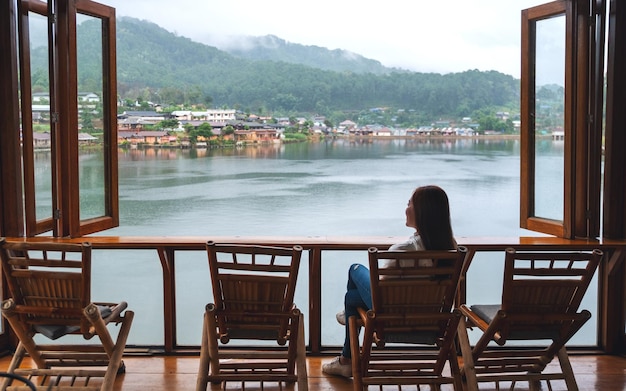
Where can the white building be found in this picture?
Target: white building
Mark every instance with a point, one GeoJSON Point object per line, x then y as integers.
{"type": "Point", "coordinates": [213, 115]}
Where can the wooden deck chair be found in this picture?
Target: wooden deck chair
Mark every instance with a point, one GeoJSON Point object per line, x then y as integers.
{"type": "Point", "coordinates": [253, 290]}
{"type": "Point", "coordinates": [540, 298]}
{"type": "Point", "coordinates": [412, 321]}
{"type": "Point", "coordinates": [49, 299]}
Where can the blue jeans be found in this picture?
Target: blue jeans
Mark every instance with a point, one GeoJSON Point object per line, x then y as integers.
{"type": "Point", "coordinates": [359, 294]}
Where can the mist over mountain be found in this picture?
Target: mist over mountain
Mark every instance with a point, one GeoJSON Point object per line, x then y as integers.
{"type": "Point", "coordinates": [273, 48]}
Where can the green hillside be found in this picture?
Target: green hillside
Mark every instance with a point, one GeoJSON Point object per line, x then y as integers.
{"type": "Point", "coordinates": [154, 64]}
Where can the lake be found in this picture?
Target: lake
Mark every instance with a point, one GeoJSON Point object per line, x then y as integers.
{"type": "Point", "coordinates": [328, 188]}
{"type": "Point", "coordinates": [334, 187]}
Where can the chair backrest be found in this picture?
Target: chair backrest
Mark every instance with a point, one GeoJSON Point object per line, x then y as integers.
{"type": "Point", "coordinates": [413, 300]}
{"type": "Point", "coordinates": [49, 282]}
{"type": "Point", "coordinates": [253, 290]}
{"type": "Point", "coordinates": [542, 290]}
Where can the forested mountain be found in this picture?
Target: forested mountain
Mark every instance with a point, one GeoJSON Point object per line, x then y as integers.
{"type": "Point", "coordinates": [154, 64]}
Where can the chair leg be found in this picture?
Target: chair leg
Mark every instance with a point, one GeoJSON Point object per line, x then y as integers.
{"type": "Point", "coordinates": [26, 340]}
{"type": "Point", "coordinates": [115, 360]}
{"type": "Point", "coordinates": [455, 371]}
{"type": "Point", "coordinates": [18, 356]}
{"type": "Point", "coordinates": [212, 344]}
{"type": "Point", "coordinates": [357, 378]}
{"type": "Point", "coordinates": [566, 367]}
{"type": "Point", "coordinates": [203, 370]}
{"type": "Point", "coordinates": [303, 384]}
{"type": "Point", "coordinates": [92, 313]}
{"type": "Point", "coordinates": [468, 370]}
{"type": "Point", "coordinates": [293, 345]}
{"type": "Point", "coordinates": [534, 385]}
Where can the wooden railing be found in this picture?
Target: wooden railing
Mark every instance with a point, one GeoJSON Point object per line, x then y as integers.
{"type": "Point", "coordinates": [611, 290]}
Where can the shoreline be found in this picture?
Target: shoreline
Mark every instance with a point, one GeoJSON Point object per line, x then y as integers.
{"type": "Point", "coordinates": [349, 138]}
{"type": "Point", "coordinates": [438, 137]}
{"type": "Point", "coordinates": [320, 138]}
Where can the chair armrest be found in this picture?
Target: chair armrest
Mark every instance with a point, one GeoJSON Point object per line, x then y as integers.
{"type": "Point", "coordinates": [116, 310]}
{"type": "Point", "coordinates": [472, 318]}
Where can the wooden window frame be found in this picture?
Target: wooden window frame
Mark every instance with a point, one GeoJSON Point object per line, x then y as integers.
{"type": "Point", "coordinates": [33, 226]}
{"type": "Point", "coordinates": [65, 217]}
{"type": "Point", "coordinates": [582, 119]}
{"type": "Point", "coordinates": [614, 222]}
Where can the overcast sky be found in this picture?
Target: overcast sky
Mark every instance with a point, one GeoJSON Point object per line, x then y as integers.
{"type": "Point", "coordinates": [426, 36]}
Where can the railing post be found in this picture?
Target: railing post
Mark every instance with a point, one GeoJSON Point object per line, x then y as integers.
{"type": "Point", "coordinates": [610, 302]}
{"type": "Point", "coordinates": [315, 299]}
{"type": "Point", "coordinates": [166, 255]}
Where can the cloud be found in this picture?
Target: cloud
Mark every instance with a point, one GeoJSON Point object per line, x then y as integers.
{"type": "Point", "coordinates": [444, 36]}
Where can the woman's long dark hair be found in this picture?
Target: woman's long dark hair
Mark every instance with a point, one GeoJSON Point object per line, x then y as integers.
{"type": "Point", "coordinates": [432, 218]}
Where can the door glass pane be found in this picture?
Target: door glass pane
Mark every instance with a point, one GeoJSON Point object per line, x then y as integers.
{"type": "Point", "coordinates": [40, 87]}
{"type": "Point", "coordinates": [92, 173]}
{"type": "Point", "coordinates": [549, 117]}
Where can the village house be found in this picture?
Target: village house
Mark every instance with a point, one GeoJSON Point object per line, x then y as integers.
{"type": "Point", "coordinates": [261, 136]}
{"type": "Point", "coordinates": [146, 116]}
{"type": "Point", "coordinates": [317, 129]}
{"type": "Point", "coordinates": [41, 104]}
{"type": "Point", "coordinates": [83, 97]}
{"type": "Point", "coordinates": [211, 115]}
{"type": "Point", "coordinates": [138, 120]}
{"type": "Point", "coordinates": [195, 123]}
{"type": "Point", "coordinates": [503, 115]}
{"type": "Point", "coordinates": [86, 139]}
{"type": "Point", "coordinates": [130, 124]}
{"type": "Point", "coordinates": [146, 137]}
{"type": "Point", "coordinates": [283, 121]}
{"type": "Point", "coordinates": [346, 126]}
{"type": "Point", "coordinates": [41, 113]}
{"type": "Point", "coordinates": [41, 140]}
{"type": "Point", "coordinates": [319, 120]}
{"type": "Point", "coordinates": [88, 97]}
{"type": "Point", "coordinates": [383, 132]}
{"type": "Point", "coordinates": [411, 132]}
{"type": "Point", "coordinates": [258, 132]}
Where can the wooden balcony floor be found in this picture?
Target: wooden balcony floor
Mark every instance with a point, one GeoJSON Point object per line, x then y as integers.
{"type": "Point", "coordinates": [167, 373]}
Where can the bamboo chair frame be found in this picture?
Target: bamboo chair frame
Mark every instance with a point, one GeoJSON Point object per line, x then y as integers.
{"type": "Point", "coordinates": [541, 294]}
{"type": "Point", "coordinates": [50, 295]}
{"type": "Point", "coordinates": [253, 290]}
{"type": "Point", "coordinates": [412, 305]}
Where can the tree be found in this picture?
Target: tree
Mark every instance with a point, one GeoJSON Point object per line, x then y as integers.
{"type": "Point", "coordinates": [87, 121]}
{"type": "Point", "coordinates": [306, 126]}
{"type": "Point", "coordinates": [194, 96]}
{"type": "Point", "coordinates": [204, 130]}
{"type": "Point", "coordinates": [168, 124]}
{"type": "Point", "coordinates": [171, 95]}
{"type": "Point", "coordinates": [228, 130]}
{"type": "Point", "coordinates": [491, 122]}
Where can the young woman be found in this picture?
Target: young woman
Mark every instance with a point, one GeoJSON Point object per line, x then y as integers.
{"type": "Point", "coordinates": [428, 212]}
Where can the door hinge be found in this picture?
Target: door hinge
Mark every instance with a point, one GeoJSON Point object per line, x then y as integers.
{"type": "Point", "coordinates": [54, 118]}
{"type": "Point", "coordinates": [57, 214]}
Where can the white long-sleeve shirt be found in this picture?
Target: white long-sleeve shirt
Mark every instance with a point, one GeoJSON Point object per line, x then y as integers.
{"type": "Point", "coordinates": [414, 243]}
